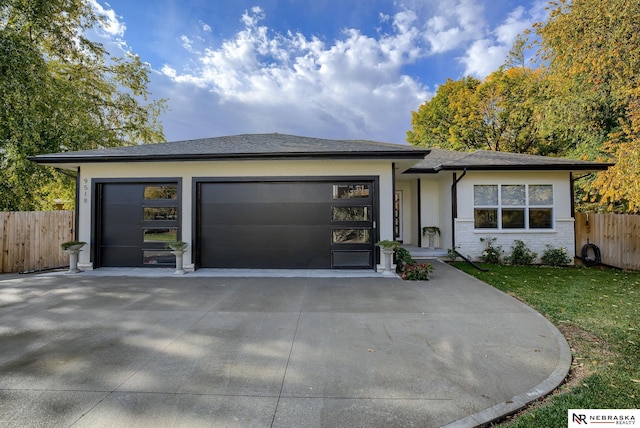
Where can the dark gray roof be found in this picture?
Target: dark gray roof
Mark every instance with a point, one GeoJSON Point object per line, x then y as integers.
{"type": "Point", "coordinates": [443, 160]}
{"type": "Point", "coordinates": [247, 146]}
{"type": "Point", "coordinates": [282, 146]}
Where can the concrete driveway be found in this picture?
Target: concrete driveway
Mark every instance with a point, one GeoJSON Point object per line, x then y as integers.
{"type": "Point", "coordinates": [92, 351]}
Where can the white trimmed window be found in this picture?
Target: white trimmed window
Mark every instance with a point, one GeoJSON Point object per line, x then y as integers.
{"type": "Point", "coordinates": [513, 206]}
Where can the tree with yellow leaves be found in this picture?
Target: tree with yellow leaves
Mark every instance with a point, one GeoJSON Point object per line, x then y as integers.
{"type": "Point", "coordinates": [592, 48]}
{"type": "Point", "coordinates": [583, 99]}
{"type": "Point", "coordinates": [495, 114]}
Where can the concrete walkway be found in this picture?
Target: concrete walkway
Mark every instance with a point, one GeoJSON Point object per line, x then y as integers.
{"type": "Point", "coordinates": [94, 351]}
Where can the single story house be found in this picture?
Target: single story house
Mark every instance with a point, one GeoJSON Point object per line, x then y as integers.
{"type": "Point", "coordinates": [284, 201]}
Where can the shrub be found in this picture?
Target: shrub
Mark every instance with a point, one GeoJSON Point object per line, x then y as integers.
{"type": "Point", "coordinates": [521, 255]}
{"type": "Point", "coordinates": [417, 272]}
{"type": "Point", "coordinates": [452, 253]}
{"type": "Point", "coordinates": [493, 253]}
{"type": "Point", "coordinates": [408, 268]}
{"type": "Point", "coordinates": [555, 256]}
{"type": "Point", "coordinates": [403, 259]}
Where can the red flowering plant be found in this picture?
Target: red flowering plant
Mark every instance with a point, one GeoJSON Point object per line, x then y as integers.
{"type": "Point", "coordinates": [417, 272]}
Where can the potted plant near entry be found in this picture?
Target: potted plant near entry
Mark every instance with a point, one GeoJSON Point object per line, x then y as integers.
{"type": "Point", "coordinates": [73, 248]}
{"type": "Point", "coordinates": [388, 248]}
{"type": "Point", "coordinates": [178, 248]}
{"type": "Point", "coordinates": [431, 232]}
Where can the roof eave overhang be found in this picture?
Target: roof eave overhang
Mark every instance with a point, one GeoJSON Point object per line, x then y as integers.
{"type": "Point", "coordinates": [554, 167]}
{"type": "Point", "coordinates": [381, 155]}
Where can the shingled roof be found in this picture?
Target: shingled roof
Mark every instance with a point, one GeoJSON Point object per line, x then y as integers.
{"type": "Point", "coordinates": [485, 160]}
{"type": "Point", "coordinates": [283, 146]}
{"type": "Point", "coordinates": [246, 146]}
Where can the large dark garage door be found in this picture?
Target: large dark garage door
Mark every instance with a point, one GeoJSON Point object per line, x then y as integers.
{"type": "Point", "coordinates": [135, 222]}
{"type": "Point", "coordinates": [276, 224]}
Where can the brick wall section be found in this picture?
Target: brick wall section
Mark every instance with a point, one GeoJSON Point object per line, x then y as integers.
{"type": "Point", "coordinates": [468, 240]}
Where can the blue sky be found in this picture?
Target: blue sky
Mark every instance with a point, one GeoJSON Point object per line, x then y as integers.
{"type": "Point", "coordinates": [352, 69]}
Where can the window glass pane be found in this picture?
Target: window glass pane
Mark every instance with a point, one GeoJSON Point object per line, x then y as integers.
{"type": "Point", "coordinates": [351, 258]}
{"type": "Point", "coordinates": [351, 236]}
{"type": "Point", "coordinates": [350, 191]}
{"type": "Point", "coordinates": [485, 195]}
{"type": "Point", "coordinates": [540, 218]}
{"type": "Point", "coordinates": [485, 218]}
{"type": "Point", "coordinates": [161, 191]}
{"type": "Point", "coordinates": [513, 195]}
{"type": "Point", "coordinates": [512, 218]}
{"type": "Point", "coordinates": [159, 257]}
{"type": "Point", "coordinates": [351, 213]}
{"type": "Point", "coordinates": [160, 213]}
{"type": "Point", "coordinates": [161, 235]}
{"type": "Point", "coordinates": [541, 194]}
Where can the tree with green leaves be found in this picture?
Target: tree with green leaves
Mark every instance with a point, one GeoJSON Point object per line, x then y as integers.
{"type": "Point", "coordinates": [508, 101]}
{"type": "Point", "coordinates": [499, 113]}
{"type": "Point", "coordinates": [60, 91]}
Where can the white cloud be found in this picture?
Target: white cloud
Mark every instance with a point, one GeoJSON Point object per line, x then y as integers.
{"type": "Point", "coordinates": [187, 43]}
{"type": "Point", "coordinates": [487, 54]}
{"type": "Point", "coordinates": [111, 28]}
{"type": "Point", "coordinates": [205, 27]}
{"type": "Point", "coordinates": [354, 87]}
{"type": "Point", "coordinates": [484, 57]}
{"type": "Point", "coordinates": [169, 72]}
{"type": "Point", "coordinates": [454, 24]}
{"type": "Point", "coordinates": [111, 23]}
{"type": "Point", "coordinates": [515, 24]}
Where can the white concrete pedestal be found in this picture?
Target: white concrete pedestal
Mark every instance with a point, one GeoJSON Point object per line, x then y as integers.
{"type": "Point", "coordinates": [73, 260]}
{"type": "Point", "coordinates": [179, 262]}
{"type": "Point", "coordinates": [388, 254]}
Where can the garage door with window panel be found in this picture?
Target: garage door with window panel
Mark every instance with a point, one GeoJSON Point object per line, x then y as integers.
{"type": "Point", "coordinates": [274, 224]}
{"type": "Point", "coordinates": [136, 221]}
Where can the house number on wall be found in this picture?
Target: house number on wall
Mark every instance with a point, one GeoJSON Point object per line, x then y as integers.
{"type": "Point", "coordinates": [85, 188]}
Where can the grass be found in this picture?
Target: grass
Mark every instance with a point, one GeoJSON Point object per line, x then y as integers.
{"type": "Point", "coordinates": [598, 312]}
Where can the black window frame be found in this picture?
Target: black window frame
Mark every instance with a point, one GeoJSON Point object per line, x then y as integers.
{"type": "Point", "coordinates": [499, 209]}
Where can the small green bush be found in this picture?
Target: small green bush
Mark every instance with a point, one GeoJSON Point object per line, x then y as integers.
{"type": "Point", "coordinates": [452, 254]}
{"type": "Point", "coordinates": [521, 255]}
{"type": "Point", "coordinates": [403, 259]}
{"type": "Point", "coordinates": [408, 268]}
{"type": "Point", "coordinates": [555, 256]}
{"type": "Point", "coordinates": [493, 253]}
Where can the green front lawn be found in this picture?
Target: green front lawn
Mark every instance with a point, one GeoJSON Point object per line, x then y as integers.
{"type": "Point", "coordinates": [598, 311]}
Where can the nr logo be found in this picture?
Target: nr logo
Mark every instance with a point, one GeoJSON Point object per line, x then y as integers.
{"type": "Point", "coordinates": [579, 418]}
